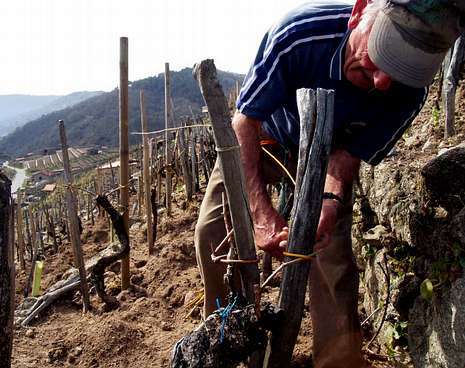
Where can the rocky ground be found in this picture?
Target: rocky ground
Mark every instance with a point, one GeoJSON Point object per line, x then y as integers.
{"type": "Point", "coordinates": [409, 223]}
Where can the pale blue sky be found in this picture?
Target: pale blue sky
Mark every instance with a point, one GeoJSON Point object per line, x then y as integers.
{"type": "Point", "coordinates": [61, 46]}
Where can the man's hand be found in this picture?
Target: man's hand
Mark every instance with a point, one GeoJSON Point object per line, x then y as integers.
{"type": "Point", "coordinates": [271, 233]}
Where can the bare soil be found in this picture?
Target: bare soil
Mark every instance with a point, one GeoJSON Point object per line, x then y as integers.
{"type": "Point", "coordinates": [143, 330]}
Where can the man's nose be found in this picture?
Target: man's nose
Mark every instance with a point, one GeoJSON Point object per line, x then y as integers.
{"type": "Point", "coordinates": [381, 80]}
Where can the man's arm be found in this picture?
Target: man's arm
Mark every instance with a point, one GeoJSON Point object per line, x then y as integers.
{"type": "Point", "coordinates": [342, 170]}
{"type": "Point", "coordinates": [269, 227]}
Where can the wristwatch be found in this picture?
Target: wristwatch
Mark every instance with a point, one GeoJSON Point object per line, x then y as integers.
{"type": "Point", "coordinates": [329, 195]}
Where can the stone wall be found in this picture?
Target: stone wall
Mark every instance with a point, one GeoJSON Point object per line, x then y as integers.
{"type": "Point", "coordinates": [410, 213]}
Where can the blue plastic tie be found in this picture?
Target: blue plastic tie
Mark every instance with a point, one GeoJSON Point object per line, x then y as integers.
{"type": "Point", "coordinates": [224, 315]}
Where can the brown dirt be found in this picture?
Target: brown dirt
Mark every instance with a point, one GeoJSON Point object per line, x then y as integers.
{"type": "Point", "coordinates": [142, 331]}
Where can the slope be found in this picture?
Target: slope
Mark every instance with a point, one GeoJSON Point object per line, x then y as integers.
{"type": "Point", "coordinates": [34, 110]}
{"type": "Point", "coordinates": [95, 120]}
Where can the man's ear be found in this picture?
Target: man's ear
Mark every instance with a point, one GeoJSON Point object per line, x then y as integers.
{"type": "Point", "coordinates": [357, 13]}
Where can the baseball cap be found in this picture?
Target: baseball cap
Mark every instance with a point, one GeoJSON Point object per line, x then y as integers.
{"type": "Point", "coordinates": [410, 38]}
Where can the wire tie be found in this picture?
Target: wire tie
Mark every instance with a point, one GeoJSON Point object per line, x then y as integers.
{"type": "Point", "coordinates": [227, 149]}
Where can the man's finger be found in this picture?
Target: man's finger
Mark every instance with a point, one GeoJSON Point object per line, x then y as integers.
{"type": "Point", "coordinates": [322, 243]}
{"type": "Point", "coordinates": [283, 235]}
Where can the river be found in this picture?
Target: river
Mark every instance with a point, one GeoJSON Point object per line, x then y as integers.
{"type": "Point", "coordinates": [19, 178]}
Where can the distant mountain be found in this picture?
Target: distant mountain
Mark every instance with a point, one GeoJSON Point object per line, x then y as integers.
{"type": "Point", "coordinates": [11, 105]}
{"type": "Point", "coordinates": [95, 120]}
{"type": "Point", "coordinates": [17, 110]}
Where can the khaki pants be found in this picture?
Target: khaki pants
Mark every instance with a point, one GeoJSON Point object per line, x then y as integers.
{"type": "Point", "coordinates": [333, 282]}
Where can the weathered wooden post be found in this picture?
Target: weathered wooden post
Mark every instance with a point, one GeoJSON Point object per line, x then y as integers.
{"type": "Point", "coordinates": [140, 194]}
{"type": "Point", "coordinates": [39, 227]}
{"type": "Point", "coordinates": [73, 219]}
{"type": "Point", "coordinates": [89, 201]}
{"type": "Point", "coordinates": [7, 272]}
{"type": "Point", "coordinates": [124, 150]}
{"type": "Point", "coordinates": [311, 175]}
{"type": "Point", "coordinates": [195, 172]}
{"type": "Point", "coordinates": [33, 227]}
{"type": "Point", "coordinates": [231, 169]}
{"type": "Point", "coordinates": [184, 158]}
{"type": "Point", "coordinates": [19, 230]}
{"type": "Point", "coordinates": [168, 120]}
{"type": "Point", "coordinates": [147, 173]}
{"type": "Point", "coordinates": [203, 156]}
{"type": "Point", "coordinates": [50, 226]}
{"type": "Point", "coordinates": [233, 178]}
{"type": "Point", "coordinates": [28, 230]}
{"type": "Point", "coordinates": [452, 65]}
{"type": "Point", "coordinates": [158, 168]}
{"type": "Point", "coordinates": [98, 181]}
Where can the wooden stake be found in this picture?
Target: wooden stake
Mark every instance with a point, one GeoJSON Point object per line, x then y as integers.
{"type": "Point", "coordinates": [453, 65]}
{"type": "Point", "coordinates": [73, 219]}
{"type": "Point", "coordinates": [124, 151]}
{"type": "Point", "coordinates": [168, 120]}
{"type": "Point", "coordinates": [27, 288]}
{"type": "Point", "coordinates": [147, 174]}
{"type": "Point", "coordinates": [184, 158]}
{"type": "Point", "coordinates": [7, 272]}
{"type": "Point", "coordinates": [203, 156]}
{"type": "Point", "coordinates": [19, 230]}
{"type": "Point", "coordinates": [233, 176]}
{"type": "Point", "coordinates": [140, 194]}
{"type": "Point", "coordinates": [33, 228]}
{"type": "Point", "coordinates": [160, 164]}
{"type": "Point", "coordinates": [28, 231]}
{"type": "Point", "coordinates": [40, 227]}
{"type": "Point", "coordinates": [195, 173]}
{"type": "Point", "coordinates": [306, 213]}
{"type": "Point", "coordinates": [92, 219]}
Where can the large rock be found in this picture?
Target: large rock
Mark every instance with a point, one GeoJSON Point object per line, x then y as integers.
{"type": "Point", "coordinates": [437, 329]}
{"type": "Point", "coordinates": [414, 215]}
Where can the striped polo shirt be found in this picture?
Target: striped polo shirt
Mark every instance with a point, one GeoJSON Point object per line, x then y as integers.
{"type": "Point", "coordinates": [306, 50]}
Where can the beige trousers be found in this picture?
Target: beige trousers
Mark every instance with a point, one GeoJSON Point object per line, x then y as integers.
{"type": "Point", "coordinates": [333, 283]}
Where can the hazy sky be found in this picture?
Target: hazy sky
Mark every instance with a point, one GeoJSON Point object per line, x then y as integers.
{"type": "Point", "coordinates": [62, 46]}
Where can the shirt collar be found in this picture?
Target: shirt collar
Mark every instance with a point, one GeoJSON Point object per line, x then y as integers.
{"type": "Point", "coordinates": [337, 61]}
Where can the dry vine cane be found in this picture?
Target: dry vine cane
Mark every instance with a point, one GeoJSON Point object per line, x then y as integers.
{"type": "Point", "coordinates": [97, 276]}
{"type": "Point", "coordinates": [387, 276]}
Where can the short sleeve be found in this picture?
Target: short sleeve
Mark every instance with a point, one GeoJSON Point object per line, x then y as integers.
{"type": "Point", "coordinates": [267, 84]}
{"type": "Point", "coordinates": [373, 139]}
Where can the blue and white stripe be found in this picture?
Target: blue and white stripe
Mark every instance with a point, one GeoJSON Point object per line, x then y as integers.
{"type": "Point", "coordinates": [283, 40]}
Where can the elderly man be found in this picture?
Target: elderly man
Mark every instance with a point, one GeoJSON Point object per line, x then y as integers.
{"type": "Point", "coordinates": [379, 58]}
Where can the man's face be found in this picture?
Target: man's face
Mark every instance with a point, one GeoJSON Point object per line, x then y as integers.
{"type": "Point", "coordinates": [358, 68]}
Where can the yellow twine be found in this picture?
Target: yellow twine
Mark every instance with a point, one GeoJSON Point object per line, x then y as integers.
{"type": "Point", "coordinates": [279, 164]}
{"type": "Point", "coordinates": [194, 304]}
{"type": "Point", "coordinates": [303, 257]}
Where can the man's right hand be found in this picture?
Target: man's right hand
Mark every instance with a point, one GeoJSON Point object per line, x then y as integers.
{"type": "Point", "coordinates": [271, 233]}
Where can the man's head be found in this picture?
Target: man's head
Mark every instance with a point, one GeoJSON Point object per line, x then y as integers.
{"type": "Point", "coordinates": [405, 40]}
{"type": "Point", "coordinates": [358, 66]}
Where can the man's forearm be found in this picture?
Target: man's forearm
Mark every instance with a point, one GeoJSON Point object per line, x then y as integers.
{"type": "Point", "coordinates": [270, 229]}
{"type": "Point", "coordinates": [342, 170]}
{"type": "Point", "coordinates": [248, 131]}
